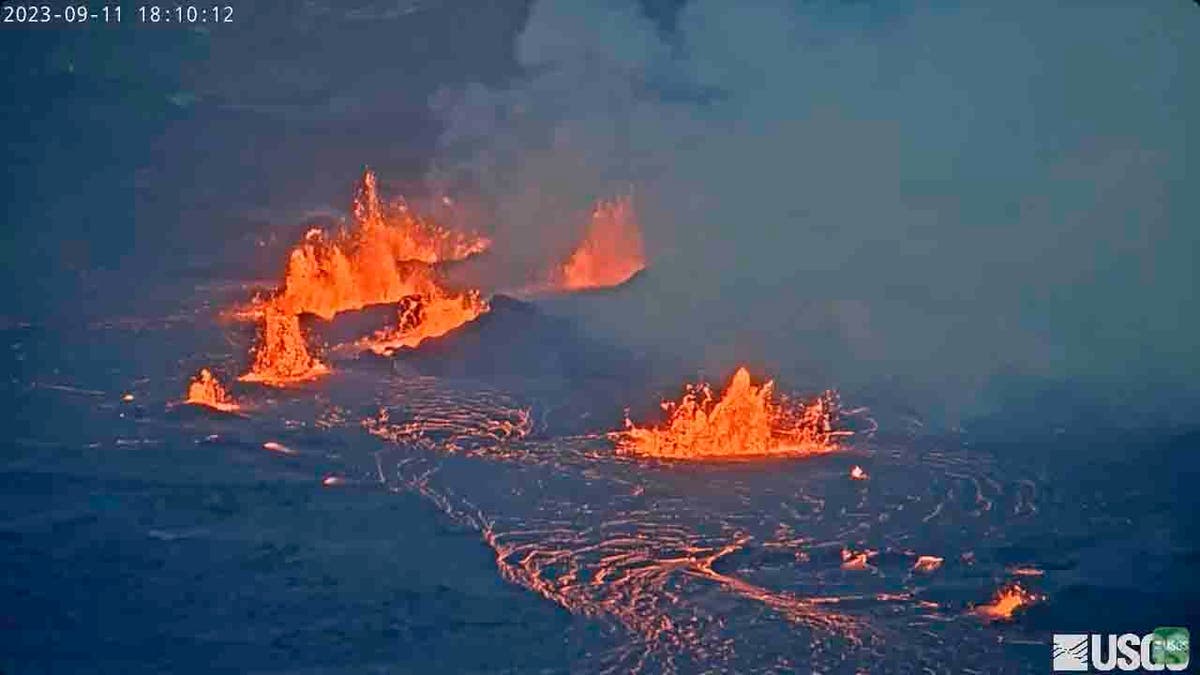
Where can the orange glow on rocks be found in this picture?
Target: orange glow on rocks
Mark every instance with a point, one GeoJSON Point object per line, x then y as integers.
{"type": "Point", "coordinates": [747, 421]}
{"type": "Point", "coordinates": [281, 357]}
{"type": "Point", "coordinates": [611, 251]}
{"type": "Point", "coordinates": [206, 390]}
{"type": "Point", "coordinates": [1006, 602]}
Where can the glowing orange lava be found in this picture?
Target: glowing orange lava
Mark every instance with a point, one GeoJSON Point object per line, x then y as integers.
{"type": "Point", "coordinates": [1026, 572]}
{"type": "Point", "coordinates": [856, 561]}
{"type": "Point", "coordinates": [423, 317]}
{"type": "Point", "coordinates": [928, 563]}
{"type": "Point", "coordinates": [206, 390]}
{"type": "Point", "coordinates": [387, 254]}
{"type": "Point", "coordinates": [325, 276]}
{"type": "Point", "coordinates": [1007, 600]}
{"type": "Point", "coordinates": [281, 357]}
{"type": "Point", "coordinates": [747, 421]}
{"type": "Point", "coordinates": [408, 236]}
{"type": "Point", "coordinates": [611, 251]}
{"type": "Point", "coordinates": [275, 446]}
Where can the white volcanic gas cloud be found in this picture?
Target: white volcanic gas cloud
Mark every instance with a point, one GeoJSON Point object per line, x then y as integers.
{"type": "Point", "coordinates": [850, 193]}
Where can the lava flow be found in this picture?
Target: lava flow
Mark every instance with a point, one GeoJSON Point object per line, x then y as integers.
{"type": "Point", "coordinates": [281, 356]}
{"type": "Point", "coordinates": [1007, 600]}
{"type": "Point", "coordinates": [206, 390]}
{"type": "Point", "coordinates": [747, 421]}
{"type": "Point", "coordinates": [421, 317]}
{"type": "Point", "coordinates": [611, 251]}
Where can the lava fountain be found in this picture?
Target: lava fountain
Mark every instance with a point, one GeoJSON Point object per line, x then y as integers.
{"type": "Point", "coordinates": [206, 390]}
{"type": "Point", "coordinates": [611, 251]}
{"type": "Point", "coordinates": [281, 356]}
{"type": "Point", "coordinates": [747, 421]}
{"type": "Point", "coordinates": [421, 317]}
{"type": "Point", "coordinates": [387, 255]}
{"type": "Point", "coordinates": [1007, 601]}
{"type": "Point", "coordinates": [405, 235]}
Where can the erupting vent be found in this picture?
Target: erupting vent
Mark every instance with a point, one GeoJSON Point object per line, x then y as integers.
{"type": "Point", "coordinates": [206, 390]}
{"type": "Point", "coordinates": [611, 251]}
{"type": "Point", "coordinates": [388, 256]}
{"type": "Point", "coordinates": [747, 421]}
{"type": "Point", "coordinates": [1007, 600]}
{"type": "Point", "coordinates": [281, 357]}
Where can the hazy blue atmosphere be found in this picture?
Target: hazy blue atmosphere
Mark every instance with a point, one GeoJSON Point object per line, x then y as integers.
{"type": "Point", "coordinates": [978, 225]}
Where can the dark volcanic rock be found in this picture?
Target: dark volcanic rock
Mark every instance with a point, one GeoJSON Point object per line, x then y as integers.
{"type": "Point", "coordinates": [517, 347]}
{"type": "Point", "coordinates": [515, 342]}
{"type": "Point", "coordinates": [348, 327]}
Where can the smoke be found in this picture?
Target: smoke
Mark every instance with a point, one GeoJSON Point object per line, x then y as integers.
{"type": "Point", "coordinates": [851, 195]}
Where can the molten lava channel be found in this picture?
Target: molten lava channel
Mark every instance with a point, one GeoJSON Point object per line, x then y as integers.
{"type": "Point", "coordinates": [746, 421]}
{"type": "Point", "coordinates": [206, 390]}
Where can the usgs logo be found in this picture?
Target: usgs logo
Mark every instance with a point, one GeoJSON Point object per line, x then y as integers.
{"type": "Point", "coordinates": [1165, 648]}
